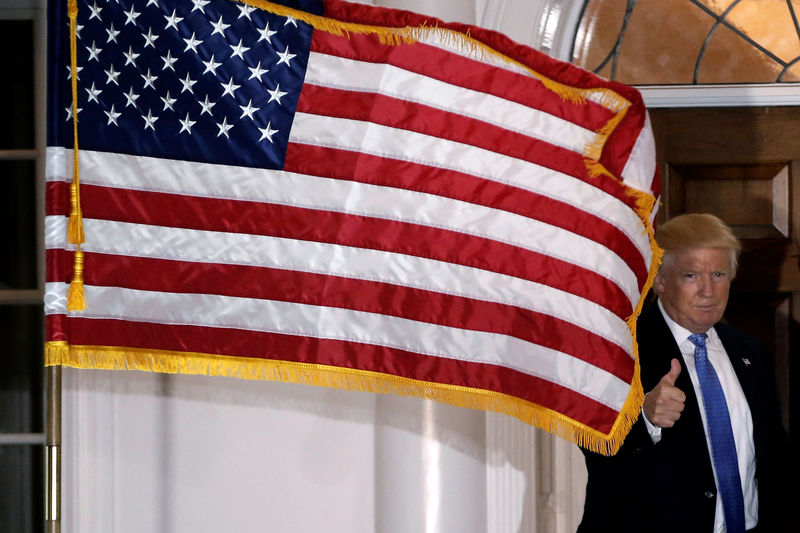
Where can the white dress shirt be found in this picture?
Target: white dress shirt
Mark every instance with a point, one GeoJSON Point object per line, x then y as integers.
{"type": "Point", "coordinates": [741, 420]}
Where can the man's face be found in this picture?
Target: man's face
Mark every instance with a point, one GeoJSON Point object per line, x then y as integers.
{"type": "Point", "coordinates": [694, 287]}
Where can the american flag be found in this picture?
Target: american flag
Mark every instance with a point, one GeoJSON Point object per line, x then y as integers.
{"type": "Point", "coordinates": [350, 196]}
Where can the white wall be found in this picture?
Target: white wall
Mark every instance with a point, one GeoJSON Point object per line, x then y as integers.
{"type": "Point", "coordinates": [172, 454]}
{"type": "Point", "coordinates": [157, 453]}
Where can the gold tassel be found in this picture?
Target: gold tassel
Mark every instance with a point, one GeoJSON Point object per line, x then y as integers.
{"type": "Point", "coordinates": [75, 233]}
{"type": "Point", "coordinates": [76, 296]}
{"type": "Point", "coordinates": [76, 299]}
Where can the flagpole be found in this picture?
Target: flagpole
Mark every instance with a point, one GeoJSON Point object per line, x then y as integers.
{"type": "Point", "coordinates": [52, 374]}
{"type": "Point", "coordinates": [53, 451]}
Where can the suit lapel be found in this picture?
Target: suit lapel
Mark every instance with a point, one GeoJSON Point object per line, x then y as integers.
{"type": "Point", "coordinates": [663, 348]}
{"type": "Point", "coordinates": [742, 366]}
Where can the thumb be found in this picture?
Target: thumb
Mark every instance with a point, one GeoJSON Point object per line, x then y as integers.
{"type": "Point", "coordinates": [674, 370]}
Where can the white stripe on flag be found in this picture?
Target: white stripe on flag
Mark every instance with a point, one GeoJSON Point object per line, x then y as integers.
{"type": "Point", "coordinates": [410, 146]}
{"type": "Point", "coordinates": [341, 73]}
{"type": "Point", "coordinates": [163, 175]}
{"type": "Point", "coordinates": [252, 184]}
{"type": "Point", "coordinates": [141, 240]}
{"type": "Point", "coordinates": [640, 169]}
{"type": "Point", "coordinates": [347, 325]}
{"type": "Point", "coordinates": [466, 48]}
{"type": "Point", "coordinates": [404, 145]}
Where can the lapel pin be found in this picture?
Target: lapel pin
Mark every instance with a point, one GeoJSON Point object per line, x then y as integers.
{"type": "Point", "coordinates": [746, 361]}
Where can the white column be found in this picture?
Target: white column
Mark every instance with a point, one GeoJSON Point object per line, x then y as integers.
{"type": "Point", "coordinates": [430, 472]}
{"type": "Point", "coordinates": [535, 481]}
{"type": "Point", "coordinates": [562, 484]}
{"type": "Point", "coordinates": [511, 460]}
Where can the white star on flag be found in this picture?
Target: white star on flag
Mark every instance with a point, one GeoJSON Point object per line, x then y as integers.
{"type": "Point", "coordinates": [224, 127]}
{"type": "Point", "coordinates": [248, 110]}
{"type": "Point", "coordinates": [257, 71]}
{"type": "Point", "coordinates": [131, 16]}
{"type": "Point", "coordinates": [276, 94]}
{"type": "Point", "coordinates": [150, 120]}
{"type": "Point", "coordinates": [219, 27]}
{"type": "Point", "coordinates": [186, 124]}
{"type": "Point", "coordinates": [173, 20]}
{"type": "Point", "coordinates": [267, 133]}
{"type": "Point", "coordinates": [112, 116]}
{"type": "Point", "coordinates": [286, 57]}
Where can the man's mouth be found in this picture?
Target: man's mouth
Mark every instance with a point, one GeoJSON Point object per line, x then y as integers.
{"type": "Point", "coordinates": [706, 308]}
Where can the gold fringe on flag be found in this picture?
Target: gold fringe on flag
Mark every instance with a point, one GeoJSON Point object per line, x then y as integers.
{"type": "Point", "coordinates": [594, 150]}
{"type": "Point", "coordinates": [409, 35]}
{"type": "Point", "coordinates": [172, 362]}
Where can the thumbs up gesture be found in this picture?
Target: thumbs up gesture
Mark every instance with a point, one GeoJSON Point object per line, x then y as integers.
{"type": "Point", "coordinates": [663, 405]}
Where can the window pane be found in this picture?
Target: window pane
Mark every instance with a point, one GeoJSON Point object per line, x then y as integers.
{"type": "Point", "coordinates": [18, 214]}
{"type": "Point", "coordinates": [21, 490]}
{"type": "Point", "coordinates": [16, 50]}
{"type": "Point", "coordinates": [689, 42]}
{"type": "Point", "coordinates": [21, 328]}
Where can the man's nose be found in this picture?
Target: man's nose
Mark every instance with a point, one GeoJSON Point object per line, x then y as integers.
{"type": "Point", "coordinates": [706, 286]}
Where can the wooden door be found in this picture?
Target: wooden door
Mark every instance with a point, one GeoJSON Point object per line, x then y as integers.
{"type": "Point", "coordinates": [743, 165]}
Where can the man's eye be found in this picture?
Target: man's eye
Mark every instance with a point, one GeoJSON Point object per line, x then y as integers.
{"type": "Point", "coordinates": [718, 274]}
{"type": "Point", "coordinates": [689, 275]}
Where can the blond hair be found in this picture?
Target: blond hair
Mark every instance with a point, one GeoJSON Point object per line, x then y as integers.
{"type": "Point", "coordinates": [697, 230]}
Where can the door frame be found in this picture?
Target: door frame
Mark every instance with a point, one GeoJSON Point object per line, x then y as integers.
{"type": "Point", "coordinates": [735, 95]}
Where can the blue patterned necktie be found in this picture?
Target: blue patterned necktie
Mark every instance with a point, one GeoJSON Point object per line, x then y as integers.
{"type": "Point", "coordinates": [723, 448]}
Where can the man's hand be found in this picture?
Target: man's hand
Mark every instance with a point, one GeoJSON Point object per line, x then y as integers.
{"type": "Point", "coordinates": [663, 405]}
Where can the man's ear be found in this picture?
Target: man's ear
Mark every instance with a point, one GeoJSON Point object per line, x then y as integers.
{"type": "Point", "coordinates": [658, 284]}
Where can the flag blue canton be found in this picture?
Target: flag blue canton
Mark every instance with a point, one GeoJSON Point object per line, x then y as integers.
{"type": "Point", "coordinates": [204, 80]}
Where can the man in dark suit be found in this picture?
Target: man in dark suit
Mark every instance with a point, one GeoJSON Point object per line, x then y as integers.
{"type": "Point", "coordinates": [692, 463]}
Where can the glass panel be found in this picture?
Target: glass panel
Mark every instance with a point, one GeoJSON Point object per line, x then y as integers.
{"type": "Point", "coordinates": [663, 42]}
{"type": "Point", "coordinates": [21, 489]}
{"type": "Point", "coordinates": [21, 331]}
{"type": "Point", "coordinates": [727, 57]}
{"type": "Point", "coordinates": [16, 51]}
{"type": "Point", "coordinates": [18, 216]}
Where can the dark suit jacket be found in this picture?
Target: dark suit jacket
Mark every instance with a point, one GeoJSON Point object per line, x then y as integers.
{"type": "Point", "coordinates": [670, 486]}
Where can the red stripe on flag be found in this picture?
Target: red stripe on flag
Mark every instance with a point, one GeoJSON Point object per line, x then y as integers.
{"type": "Point", "coordinates": [617, 147]}
{"type": "Point", "coordinates": [464, 72]}
{"type": "Point", "coordinates": [159, 275]}
{"type": "Point", "coordinates": [411, 116]}
{"type": "Point", "coordinates": [353, 355]}
{"type": "Point", "coordinates": [365, 168]}
{"type": "Point", "coordinates": [57, 200]}
{"type": "Point", "coordinates": [55, 328]}
{"type": "Point", "coordinates": [277, 220]}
